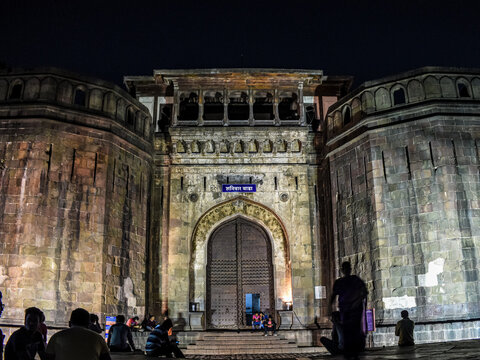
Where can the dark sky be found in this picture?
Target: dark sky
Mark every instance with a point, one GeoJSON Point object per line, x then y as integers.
{"type": "Point", "coordinates": [367, 39]}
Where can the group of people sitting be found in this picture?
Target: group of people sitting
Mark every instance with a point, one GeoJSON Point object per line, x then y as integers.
{"type": "Point", "coordinates": [265, 322]}
{"type": "Point", "coordinates": [82, 340]}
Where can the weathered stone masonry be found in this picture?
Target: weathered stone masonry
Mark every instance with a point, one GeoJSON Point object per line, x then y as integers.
{"type": "Point", "coordinates": [75, 177]}
{"type": "Point", "coordinates": [404, 172]}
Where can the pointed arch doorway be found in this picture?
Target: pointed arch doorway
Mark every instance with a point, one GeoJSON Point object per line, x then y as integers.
{"type": "Point", "coordinates": [239, 265]}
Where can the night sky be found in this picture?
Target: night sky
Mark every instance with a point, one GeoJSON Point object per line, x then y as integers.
{"type": "Point", "coordinates": [367, 39]}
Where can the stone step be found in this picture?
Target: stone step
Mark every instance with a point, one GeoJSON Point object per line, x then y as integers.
{"type": "Point", "coordinates": [247, 351]}
{"type": "Point", "coordinates": [262, 340]}
{"type": "Point", "coordinates": [241, 346]}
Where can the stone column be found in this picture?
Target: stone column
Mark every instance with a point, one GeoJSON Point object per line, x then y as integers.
{"type": "Point", "coordinates": [176, 103]}
{"type": "Point", "coordinates": [275, 107]}
{"type": "Point", "coordinates": [226, 100]}
{"type": "Point", "coordinates": [250, 106]}
{"type": "Point", "coordinates": [200, 108]}
{"type": "Point", "coordinates": [301, 110]}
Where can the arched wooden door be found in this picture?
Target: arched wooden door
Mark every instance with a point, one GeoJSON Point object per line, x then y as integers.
{"type": "Point", "coordinates": [239, 262]}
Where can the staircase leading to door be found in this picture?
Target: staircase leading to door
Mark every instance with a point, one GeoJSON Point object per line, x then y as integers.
{"type": "Point", "coordinates": [244, 343]}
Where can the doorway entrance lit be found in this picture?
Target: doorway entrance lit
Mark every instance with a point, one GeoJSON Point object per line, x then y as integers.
{"type": "Point", "coordinates": [239, 275]}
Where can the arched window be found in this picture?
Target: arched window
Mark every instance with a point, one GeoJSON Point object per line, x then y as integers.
{"type": "Point", "coordinates": [399, 97]}
{"type": "Point", "coordinates": [263, 106]}
{"type": "Point", "coordinates": [463, 90]}
{"type": "Point", "coordinates": [130, 117]}
{"type": "Point", "coordinates": [80, 97]}
{"type": "Point", "coordinates": [188, 106]}
{"type": "Point", "coordinates": [16, 92]}
{"type": "Point", "coordinates": [347, 116]}
{"type": "Point", "coordinates": [238, 107]}
{"type": "Point", "coordinates": [288, 107]}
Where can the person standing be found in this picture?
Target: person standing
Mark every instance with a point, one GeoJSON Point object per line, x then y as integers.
{"type": "Point", "coordinates": [352, 293]}
{"type": "Point", "coordinates": [77, 342]}
{"type": "Point", "coordinates": [404, 330]}
{"type": "Point", "coordinates": [119, 336]}
{"type": "Point", "coordinates": [27, 341]}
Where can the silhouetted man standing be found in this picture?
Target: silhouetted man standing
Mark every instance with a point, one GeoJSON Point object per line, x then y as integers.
{"type": "Point", "coordinates": [352, 293]}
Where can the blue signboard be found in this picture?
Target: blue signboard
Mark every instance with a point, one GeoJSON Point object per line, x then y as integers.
{"type": "Point", "coordinates": [370, 317]}
{"type": "Point", "coordinates": [110, 320]}
{"type": "Point", "coordinates": [239, 188]}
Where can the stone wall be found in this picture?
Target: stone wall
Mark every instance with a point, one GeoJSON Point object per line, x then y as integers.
{"type": "Point", "coordinates": [73, 199]}
{"type": "Point", "coordinates": [405, 195]}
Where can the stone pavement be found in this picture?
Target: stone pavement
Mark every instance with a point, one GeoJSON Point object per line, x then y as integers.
{"type": "Point", "coordinates": [469, 349]}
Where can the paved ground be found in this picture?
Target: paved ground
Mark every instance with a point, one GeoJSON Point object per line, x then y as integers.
{"type": "Point", "coordinates": [469, 349]}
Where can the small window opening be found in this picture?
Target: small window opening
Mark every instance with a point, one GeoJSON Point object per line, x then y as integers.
{"type": "Point", "coordinates": [263, 107]}
{"type": "Point", "coordinates": [228, 180]}
{"type": "Point", "coordinates": [347, 116]}
{"type": "Point", "coordinates": [276, 183]}
{"type": "Point", "coordinates": [238, 108]}
{"type": "Point", "coordinates": [296, 182]}
{"type": "Point", "coordinates": [204, 183]}
{"type": "Point", "coordinates": [181, 183]}
{"type": "Point", "coordinates": [288, 108]}
{"type": "Point", "coordinates": [188, 107]}
{"type": "Point", "coordinates": [213, 106]}
{"type": "Point", "coordinates": [399, 97]}
{"type": "Point", "coordinates": [16, 91]}
{"type": "Point", "coordinates": [463, 90]}
{"type": "Point", "coordinates": [79, 98]}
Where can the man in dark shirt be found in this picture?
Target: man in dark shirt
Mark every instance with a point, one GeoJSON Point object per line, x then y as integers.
{"type": "Point", "coordinates": [352, 293]}
{"type": "Point", "coordinates": [118, 335]}
{"type": "Point", "coordinates": [158, 342]}
{"type": "Point", "coordinates": [404, 330]}
{"type": "Point", "coordinates": [27, 341]}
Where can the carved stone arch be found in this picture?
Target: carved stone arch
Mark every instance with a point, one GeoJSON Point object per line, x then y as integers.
{"type": "Point", "coordinates": [48, 89]}
{"type": "Point", "coordinates": [475, 88]}
{"type": "Point", "coordinates": [337, 121]}
{"type": "Point", "coordinates": [65, 92]}
{"type": "Point", "coordinates": [32, 89]}
{"type": "Point", "coordinates": [448, 87]}
{"type": "Point", "coordinates": [398, 94]}
{"type": "Point", "coordinates": [267, 146]}
{"type": "Point", "coordinates": [121, 107]}
{"type": "Point", "coordinates": [17, 88]}
{"type": "Point", "coordinates": [281, 146]}
{"type": "Point", "coordinates": [252, 146]}
{"type": "Point", "coordinates": [96, 99]}
{"type": "Point", "coordinates": [181, 147]}
{"type": "Point", "coordinates": [195, 146]}
{"type": "Point", "coordinates": [3, 89]}
{"type": "Point", "coordinates": [252, 211]}
{"type": "Point", "coordinates": [296, 146]}
{"type": "Point", "coordinates": [368, 102]}
{"type": "Point", "coordinates": [356, 109]}
{"type": "Point", "coordinates": [109, 103]}
{"type": "Point", "coordinates": [432, 87]}
{"type": "Point", "coordinates": [382, 99]}
{"type": "Point", "coordinates": [209, 147]}
{"type": "Point", "coordinates": [415, 91]}
{"type": "Point", "coordinates": [223, 147]}
{"type": "Point", "coordinates": [238, 146]}
{"type": "Point", "coordinates": [463, 88]}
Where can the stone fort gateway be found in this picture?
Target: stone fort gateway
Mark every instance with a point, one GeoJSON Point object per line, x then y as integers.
{"type": "Point", "coordinates": [219, 192]}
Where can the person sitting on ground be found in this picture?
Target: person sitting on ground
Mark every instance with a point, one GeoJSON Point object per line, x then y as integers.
{"type": "Point", "coordinates": [256, 321]}
{"type": "Point", "coordinates": [133, 324]}
{"type": "Point", "coordinates": [27, 341]}
{"type": "Point", "coordinates": [158, 342]}
{"type": "Point", "coordinates": [2, 337]}
{"type": "Point", "coordinates": [262, 320]}
{"type": "Point", "coordinates": [270, 326]}
{"type": "Point", "coordinates": [94, 324]}
{"type": "Point", "coordinates": [118, 335]}
{"type": "Point", "coordinates": [77, 342]}
{"type": "Point", "coordinates": [148, 324]}
{"type": "Point", "coordinates": [404, 330]}
{"type": "Point", "coordinates": [334, 346]}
